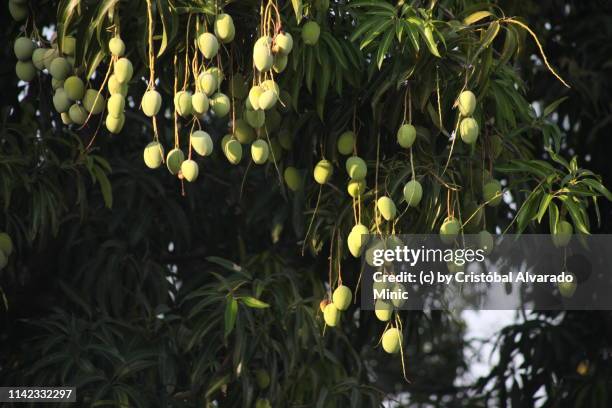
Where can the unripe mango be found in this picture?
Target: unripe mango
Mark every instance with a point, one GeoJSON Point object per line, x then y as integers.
{"type": "Point", "coordinates": [383, 310]}
{"type": "Point", "coordinates": [283, 43]}
{"type": "Point", "coordinates": [174, 160]}
{"type": "Point", "coordinates": [94, 102]}
{"type": "Point", "coordinates": [117, 48]}
{"type": "Point", "coordinates": [279, 63]}
{"type": "Point", "coordinates": [56, 84]}
{"type": "Point", "coordinates": [200, 103]}
{"type": "Point", "coordinates": [255, 118]}
{"type": "Point", "coordinates": [392, 340]}
{"type": "Point", "coordinates": [386, 207]}
{"type": "Point", "coordinates": [6, 244]}
{"type": "Point", "coordinates": [217, 73]}
{"type": "Point", "coordinates": [413, 192]}
{"type": "Point", "coordinates": [346, 143]}
{"type": "Point", "coordinates": [208, 45]}
{"type": "Point", "coordinates": [486, 242]}
{"type": "Point", "coordinates": [208, 83]}
{"type": "Point", "coordinates": [492, 193]}
{"type": "Point", "coordinates": [262, 54]}
{"type": "Point", "coordinates": [115, 125]}
{"type": "Point", "coordinates": [69, 45]}
{"type": "Point", "coordinates": [182, 103]}
{"type": "Point", "coordinates": [567, 289]}
{"type": "Point", "coordinates": [116, 106]}
{"type": "Point", "coordinates": [562, 236]}
{"type": "Point", "coordinates": [254, 95]}
{"type": "Point", "coordinates": [25, 70]}
{"type": "Point", "coordinates": [466, 103]}
{"type": "Point", "coordinates": [78, 114]}
{"type": "Point", "coordinates": [61, 103]}
{"type": "Point", "coordinates": [66, 118]}
{"type": "Point", "coordinates": [270, 85]}
{"type": "Point", "coordinates": [311, 32]}
{"type": "Point", "coordinates": [202, 143]}
{"type": "Point", "coordinates": [123, 70]}
{"type": "Point", "coordinates": [356, 188]}
{"type": "Point", "coordinates": [18, 11]}
{"type": "Point", "coordinates": [151, 102]}
{"type": "Point", "coordinates": [24, 48]}
{"type": "Point", "coordinates": [190, 170]}
{"type": "Point", "coordinates": [263, 403]}
{"type": "Point", "coordinates": [60, 68]}
{"type": "Point", "coordinates": [331, 315]}
{"type": "Point", "coordinates": [406, 135]}
{"type": "Point", "coordinates": [468, 129]}
{"type": "Point", "coordinates": [262, 378]}
{"type": "Point", "coordinates": [342, 297]}
{"type": "Point", "coordinates": [75, 88]}
{"type": "Point", "coordinates": [267, 100]}
{"type": "Point", "coordinates": [233, 151]}
{"type": "Point", "coordinates": [356, 168]}
{"type": "Point", "coordinates": [153, 155]}
{"type": "Point", "coordinates": [323, 171]}
{"type": "Point", "coordinates": [293, 178]}
{"type": "Point", "coordinates": [116, 87]}
{"type": "Point", "coordinates": [357, 239]}
{"type": "Point", "coordinates": [243, 132]}
{"type": "Point", "coordinates": [38, 58]}
{"type": "Point", "coordinates": [449, 230]}
{"type": "Point", "coordinates": [224, 28]}
{"type": "Point", "coordinates": [50, 55]}
{"type": "Point", "coordinates": [260, 151]}
{"type": "Point", "coordinates": [220, 105]}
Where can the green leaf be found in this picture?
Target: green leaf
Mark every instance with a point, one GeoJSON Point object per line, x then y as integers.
{"type": "Point", "coordinates": [254, 303]}
{"type": "Point", "coordinates": [231, 312]}
{"type": "Point", "coordinates": [553, 106]}
{"type": "Point", "coordinates": [427, 34]}
{"type": "Point", "coordinates": [374, 33]}
{"type": "Point", "coordinates": [384, 46]}
{"type": "Point", "coordinates": [490, 34]}
{"type": "Point", "coordinates": [597, 186]}
{"type": "Point", "coordinates": [105, 186]}
{"type": "Point", "coordinates": [298, 9]}
{"type": "Point", "coordinates": [553, 217]}
{"type": "Point", "coordinates": [577, 213]}
{"type": "Point", "coordinates": [477, 16]}
{"type": "Point", "coordinates": [544, 203]}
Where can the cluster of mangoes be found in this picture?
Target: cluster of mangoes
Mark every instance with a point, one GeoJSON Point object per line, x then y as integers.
{"type": "Point", "coordinates": [19, 10]}
{"type": "Point", "coordinates": [468, 127]}
{"type": "Point", "coordinates": [340, 301]}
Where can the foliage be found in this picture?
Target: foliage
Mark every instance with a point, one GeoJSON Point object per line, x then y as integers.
{"type": "Point", "coordinates": [147, 306]}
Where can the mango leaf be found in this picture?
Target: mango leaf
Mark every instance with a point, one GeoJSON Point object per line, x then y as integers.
{"type": "Point", "coordinates": [544, 203]}
{"type": "Point", "coordinates": [384, 46]}
{"type": "Point", "coordinates": [553, 217]}
{"type": "Point", "coordinates": [231, 312]}
{"type": "Point", "coordinates": [490, 34]}
{"type": "Point", "coordinates": [577, 213]}
{"type": "Point", "coordinates": [553, 106]}
{"type": "Point", "coordinates": [298, 9]}
{"type": "Point", "coordinates": [105, 185]}
{"type": "Point", "coordinates": [597, 186]}
{"type": "Point", "coordinates": [477, 16]}
{"type": "Point", "coordinates": [254, 303]}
